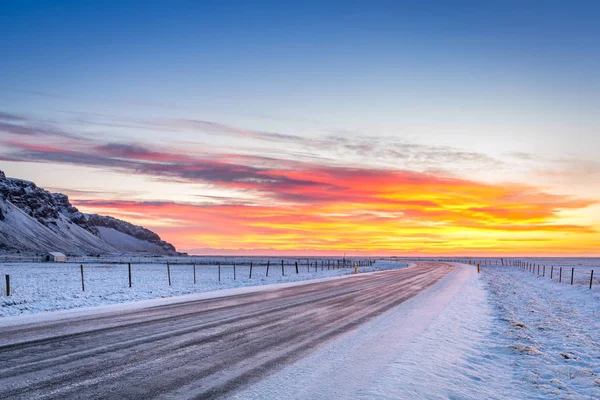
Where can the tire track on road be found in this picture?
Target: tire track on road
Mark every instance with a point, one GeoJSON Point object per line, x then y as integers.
{"type": "Point", "coordinates": [180, 350]}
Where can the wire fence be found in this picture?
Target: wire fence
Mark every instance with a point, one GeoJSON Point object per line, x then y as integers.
{"type": "Point", "coordinates": [566, 275]}
{"type": "Point", "coordinates": [224, 268]}
{"type": "Point", "coordinates": [564, 271]}
{"type": "Point", "coordinates": [176, 271]}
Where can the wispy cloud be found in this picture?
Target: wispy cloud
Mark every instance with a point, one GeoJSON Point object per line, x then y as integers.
{"type": "Point", "coordinates": [13, 124]}
{"type": "Point", "coordinates": [10, 117]}
{"type": "Point", "coordinates": [314, 204]}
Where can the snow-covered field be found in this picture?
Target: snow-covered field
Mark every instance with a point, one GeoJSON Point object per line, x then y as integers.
{"type": "Point", "coordinates": [580, 267]}
{"type": "Point", "coordinates": [503, 334]}
{"type": "Point", "coordinates": [37, 287]}
{"type": "Point", "coordinates": [553, 328]}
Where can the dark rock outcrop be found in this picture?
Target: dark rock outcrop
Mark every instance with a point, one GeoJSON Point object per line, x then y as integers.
{"type": "Point", "coordinates": [50, 208]}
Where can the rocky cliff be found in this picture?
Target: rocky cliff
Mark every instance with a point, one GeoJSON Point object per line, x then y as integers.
{"type": "Point", "coordinates": [35, 220]}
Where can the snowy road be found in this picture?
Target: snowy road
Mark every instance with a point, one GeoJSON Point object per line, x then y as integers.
{"type": "Point", "coordinates": [196, 349]}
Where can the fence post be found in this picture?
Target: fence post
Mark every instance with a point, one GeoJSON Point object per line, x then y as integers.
{"type": "Point", "coordinates": [82, 281]}
{"type": "Point", "coordinates": [8, 285]}
{"type": "Point", "coordinates": [544, 273]}
{"type": "Point", "coordinates": [560, 276]}
{"type": "Point", "coordinates": [234, 276]}
{"type": "Point", "coordinates": [194, 274]}
{"type": "Point", "coordinates": [268, 263]}
{"type": "Point", "coordinates": [551, 272]}
{"type": "Point", "coordinates": [129, 270]}
{"type": "Point", "coordinates": [572, 272]}
{"type": "Point", "coordinates": [282, 270]}
{"type": "Point", "coordinates": [591, 278]}
{"type": "Point", "coordinates": [169, 273]}
{"type": "Point", "coordinates": [250, 270]}
{"type": "Point", "coordinates": [296, 266]}
{"type": "Point", "coordinates": [219, 272]}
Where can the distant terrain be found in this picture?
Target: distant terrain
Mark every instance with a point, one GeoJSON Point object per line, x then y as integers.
{"type": "Point", "coordinates": [33, 220]}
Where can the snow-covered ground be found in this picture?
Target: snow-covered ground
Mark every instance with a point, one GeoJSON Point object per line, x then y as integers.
{"type": "Point", "coordinates": [553, 328]}
{"type": "Point", "coordinates": [37, 287]}
{"type": "Point", "coordinates": [580, 267]}
{"type": "Point", "coordinates": [501, 334]}
{"type": "Point", "coordinates": [444, 343]}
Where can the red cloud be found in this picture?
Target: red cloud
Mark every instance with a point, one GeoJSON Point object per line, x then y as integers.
{"type": "Point", "coordinates": [293, 205]}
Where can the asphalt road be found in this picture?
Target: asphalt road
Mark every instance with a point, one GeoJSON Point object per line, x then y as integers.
{"type": "Point", "coordinates": [201, 349]}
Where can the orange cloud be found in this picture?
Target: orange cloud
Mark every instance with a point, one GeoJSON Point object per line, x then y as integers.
{"type": "Point", "coordinates": [371, 211]}
{"type": "Point", "coordinates": [291, 206]}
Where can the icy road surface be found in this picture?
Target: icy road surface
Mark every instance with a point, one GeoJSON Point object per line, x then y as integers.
{"type": "Point", "coordinates": [446, 343]}
{"type": "Point", "coordinates": [205, 349]}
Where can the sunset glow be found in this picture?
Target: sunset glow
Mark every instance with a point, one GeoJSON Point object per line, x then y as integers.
{"type": "Point", "coordinates": [266, 143]}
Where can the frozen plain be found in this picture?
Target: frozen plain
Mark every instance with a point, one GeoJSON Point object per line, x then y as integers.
{"type": "Point", "coordinates": [501, 334]}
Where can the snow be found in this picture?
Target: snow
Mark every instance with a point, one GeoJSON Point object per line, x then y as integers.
{"type": "Point", "coordinates": [553, 328]}
{"type": "Point", "coordinates": [19, 230]}
{"type": "Point", "coordinates": [424, 349]}
{"type": "Point", "coordinates": [581, 267]}
{"type": "Point", "coordinates": [502, 334]}
{"type": "Point", "coordinates": [125, 242]}
{"type": "Point", "coordinates": [33, 220]}
{"type": "Point", "coordinates": [39, 287]}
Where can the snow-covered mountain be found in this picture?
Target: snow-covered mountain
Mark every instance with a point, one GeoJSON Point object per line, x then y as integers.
{"type": "Point", "coordinates": [35, 220]}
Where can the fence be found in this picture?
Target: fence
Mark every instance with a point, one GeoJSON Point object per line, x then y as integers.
{"type": "Point", "coordinates": [572, 275]}
{"type": "Point", "coordinates": [234, 268]}
{"type": "Point", "coordinates": [188, 272]}
{"type": "Point", "coordinates": [559, 274]}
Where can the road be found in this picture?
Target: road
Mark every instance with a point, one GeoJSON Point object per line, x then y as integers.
{"type": "Point", "coordinates": [203, 349]}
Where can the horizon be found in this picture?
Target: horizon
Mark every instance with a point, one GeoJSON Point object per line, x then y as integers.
{"type": "Point", "coordinates": [373, 129]}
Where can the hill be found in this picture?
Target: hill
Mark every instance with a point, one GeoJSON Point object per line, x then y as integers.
{"type": "Point", "coordinates": [35, 220]}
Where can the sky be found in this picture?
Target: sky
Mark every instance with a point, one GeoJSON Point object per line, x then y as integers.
{"type": "Point", "coordinates": [384, 128]}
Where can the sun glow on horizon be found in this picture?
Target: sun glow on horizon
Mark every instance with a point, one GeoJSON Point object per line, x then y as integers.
{"type": "Point", "coordinates": [365, 127]}
{"type": "Point", "coordinates": [392, 212]}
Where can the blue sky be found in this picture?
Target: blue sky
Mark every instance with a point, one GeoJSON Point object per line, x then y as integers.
{"type": "Point", "coordinates": [313, 61]}
{"type": "Point", "coordinates": [494, 91]}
